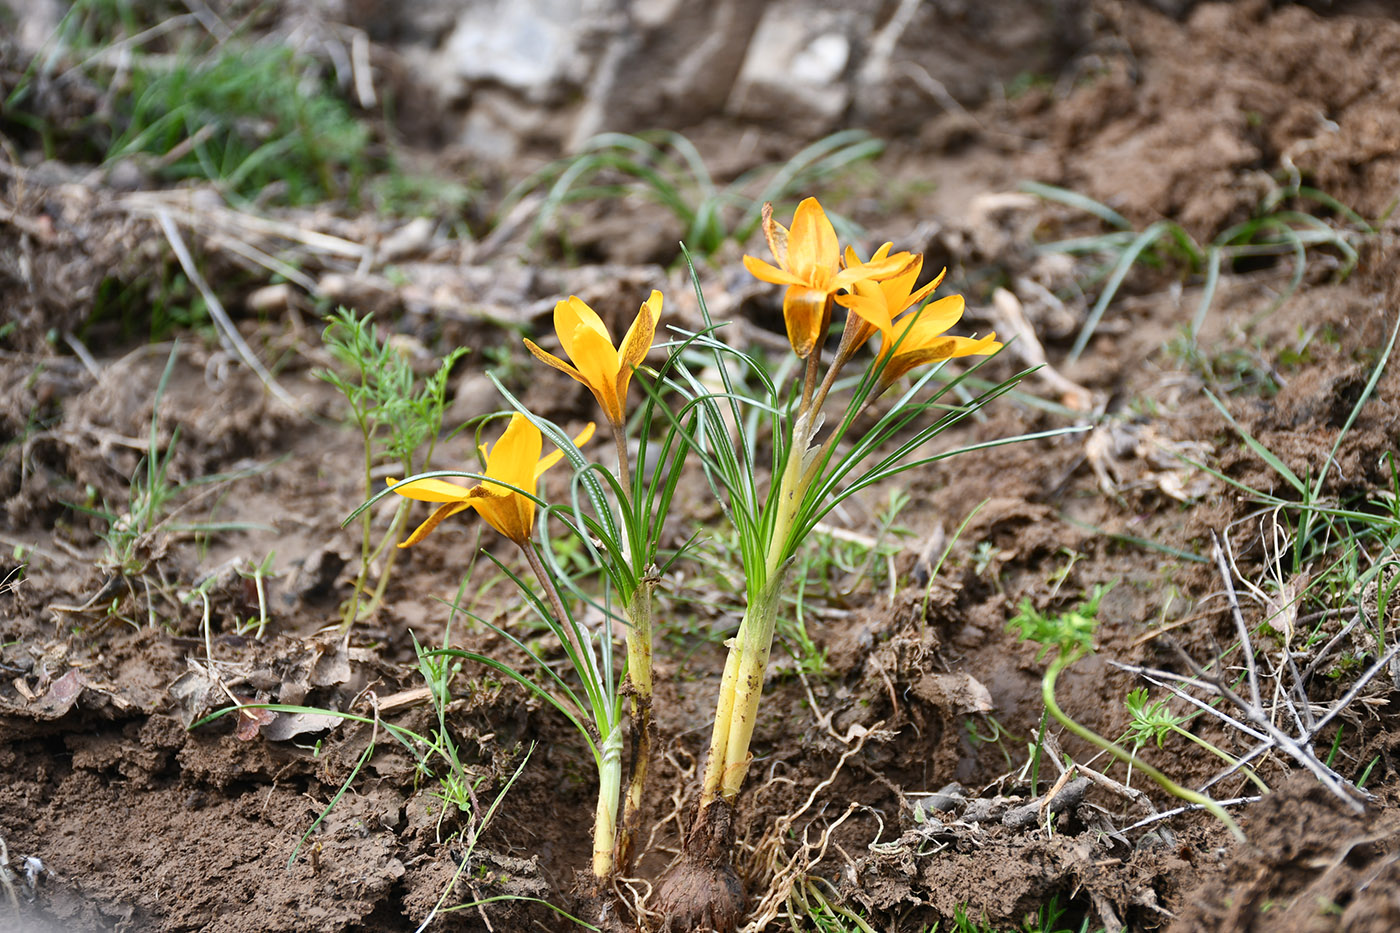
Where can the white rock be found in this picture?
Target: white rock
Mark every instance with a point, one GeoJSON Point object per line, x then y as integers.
{"type": "Point", "coordinates": [824, 59]}
{"type": "Point", "coordinates": [795, 66]}
{"type": "Point", "coordinates": [524, 44]}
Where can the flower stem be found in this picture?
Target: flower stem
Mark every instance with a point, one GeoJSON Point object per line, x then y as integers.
{"type": "Point", "coordinates": [390, 536]}
{"type": "Point", "coordinates": [352, 608]}
{"type": "Point", "coordinates": [556, 605]}
{"type": "Point", "coordinates": [814, 361]}
{"type": "Point", "coordinates": [828, 382]}
{"type": "Point", "coordinates": [744, 670]}
{"type": "Point", "coordinates": [639, 615]}
{"type": "Point", "coordinates": [724, 712]}
{"type": "Point", "coordinates": [756, 637]}
{"type": "Point", "coordinates": [605, 816]}
{"type": "Point", "coordinates": [1064, 659]}
{"type": "Point", "coordinates": [809, 381]}
{"type": "Point", "coordinates": [609, 744]}
{"type": "Point", "coordinates": [624, 466]}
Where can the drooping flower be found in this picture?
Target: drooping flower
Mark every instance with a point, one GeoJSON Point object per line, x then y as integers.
{"type": "Point", "coordinates": [604, 368]}
{"type": "Point", "coordinates": [909, 338]}
{"type": "Point", "coordinates": [809, 264]}
{"type": "Point", "coordinates": [514, 460]}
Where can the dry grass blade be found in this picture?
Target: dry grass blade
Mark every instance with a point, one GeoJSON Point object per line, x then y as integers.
{"type": "Point", "coordinates": [1056, 754]}
{"type": "Point", "coordinates": [1176, 811]}
{"type": "Point", "coordinates": [1011, 320]}
{"type": "Point", "coordinates": [219, 218]}
{"type": "Point", "coordinates": [1242, 630]}
{"type": "Point", "coordinates": [229, 333]}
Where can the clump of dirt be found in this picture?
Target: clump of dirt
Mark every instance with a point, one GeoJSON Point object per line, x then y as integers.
{"type": "Point", "coordinates": [1311, 864]}
{"type": "Point", "coordinates": [61, 254]}
{"type": "Point", "coordinates": [1188, 122]}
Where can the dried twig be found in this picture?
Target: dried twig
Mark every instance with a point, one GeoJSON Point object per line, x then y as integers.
{"type": "Point", "coordinates": [1165, 814]}
{"type": "Point", "coordinates": [1164, 679]}
{"type": "Point", "coordinates": [1252, 718]}
{"type": "Point", "coordinates": [1326, 650]}
{"type": "Point", "coordinates": [1345, 700]}
{"type": "Point", "coordinates": [1052, 745]}
{"type": "Point", "coordinates": [1299, 750]}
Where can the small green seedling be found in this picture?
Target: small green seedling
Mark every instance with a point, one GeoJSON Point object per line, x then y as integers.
{"type": "Point", "coordinates": [259, 573]}
{"type": "Point", "coordinates": [1071, 636]}
{"type": "Point", "coordinates": [1154, 722]}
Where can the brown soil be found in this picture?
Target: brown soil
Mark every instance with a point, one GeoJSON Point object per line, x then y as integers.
{"type": "Point", "coordinates": [144, 824]}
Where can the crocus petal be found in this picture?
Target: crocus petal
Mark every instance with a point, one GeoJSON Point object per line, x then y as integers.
{"type": "Point", "coordinates": [776, 235]}
{"type": "Point", "coordinates": [871, 303]}
{"type": "Point", "coordinates": [441, 512]}
{"type": "Point", "coordinates": [922, 327]}
{"type": "Point", "coordinates": [572, 314]}
{"type": "Point", "coordinates": [877, 269]}
{"type": "Point", "coordinates": [975, 346]}
{"type": "Point", "coordinates": [510, 513]}
{"type": "Point", "coordinates": [429, 490]}
{"type": "Point", "coordinates": [804, 310]}
{"type": "Point", "coordinates": [637, 342]}
{"type": "Point", "coordinates": [944, 348]}
{"type": "Point", "coordinates": [853, 258]}
{"type": "Point", "coordinates": [513, 459]}
{"type": "Point", "coordinates": [551, 360]}
{"type": "Point", "coordinates": [597, 361]}
{"type": "Point", "coordinates": [924, 292]}
{"type": "Point", "coordinates": [553, 457]}
{"type": "Point", "coordinates": [813, 252]}
{"type": "Point", "coordinates": [898, 288]}
{"type": "Point", "coordinates": [765, 272]}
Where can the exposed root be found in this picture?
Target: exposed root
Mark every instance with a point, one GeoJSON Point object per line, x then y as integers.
{"type": "Point", "coordinates": [785, 873]}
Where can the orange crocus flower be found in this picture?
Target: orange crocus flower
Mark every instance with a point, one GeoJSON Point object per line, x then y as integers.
{"type": "Point", "coordinates": [809, 264]}
{"type": "Point", "coordinates": [909, 338]}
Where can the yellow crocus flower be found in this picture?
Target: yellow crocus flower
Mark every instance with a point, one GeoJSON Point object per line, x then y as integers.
{"type": "Point", "coordinates": [514, 460]}
{"type": "Point", "coordinates": [909, 338]}
{"type": "Point", "coordinates": [809, 264]}
{"type": "Point", "coordinates": [597, 363]}
{"type": "Point", "coordinates": [898, 295]}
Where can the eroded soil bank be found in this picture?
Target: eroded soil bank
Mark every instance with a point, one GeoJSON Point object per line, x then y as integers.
{"type": "Point", "coordinates": [1206, 115]}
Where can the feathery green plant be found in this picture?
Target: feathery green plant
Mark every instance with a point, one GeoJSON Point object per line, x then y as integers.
{"type": "Point", "coordinates": [1153, 722]}
{"type": "Point", "coordinates": [397, 420]}
{"type": "Point", "coordinates": [1071, 636]}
